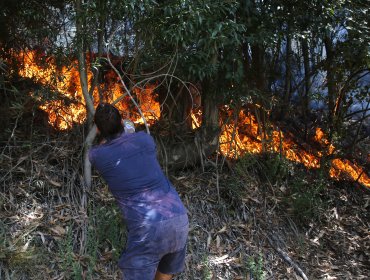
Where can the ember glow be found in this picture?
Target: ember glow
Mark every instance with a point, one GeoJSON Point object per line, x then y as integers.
{"type": "Point", "coordinates": [236, 139]}
{"type": "Point", "coordinates": [196, 118]}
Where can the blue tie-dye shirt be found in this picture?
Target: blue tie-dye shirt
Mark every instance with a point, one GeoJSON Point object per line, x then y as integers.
{"type": "Point", "coordinates": [129, 165]}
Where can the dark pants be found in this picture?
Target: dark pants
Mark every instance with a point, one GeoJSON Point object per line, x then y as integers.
{"type": "Point", "coordinates": [160, 245]}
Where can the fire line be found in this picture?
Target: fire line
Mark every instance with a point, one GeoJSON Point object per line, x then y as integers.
{"type": "Point", "coordinates": [234, 141]}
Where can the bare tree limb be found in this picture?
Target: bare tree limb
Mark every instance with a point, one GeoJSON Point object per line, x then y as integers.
{"type": "Point", "coordinates": [146, 79]}
{"type": "Point", "coordinates": [287, 259]}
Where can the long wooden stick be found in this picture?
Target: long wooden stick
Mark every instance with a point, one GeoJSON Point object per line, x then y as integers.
{"type": "Point", "coordinates": [287, 259]}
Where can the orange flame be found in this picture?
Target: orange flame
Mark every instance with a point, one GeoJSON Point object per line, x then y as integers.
{"type": "Point", "coordinates": [344, 168]}
{"type": "Point", "coordinates": [63, 115]}
{"type": "Point", "coordinates": [321, 139]}
{"type": "Point", "coordinates": [148, 103]}
{"type": "Point", "coordinates": [235, 140]}
{"type": "Point", "coordinates": [65, 81]}
{"type": "Point", "coordinates": [196, 118]}
{"type": "Point", "coordinates": [247, 138]}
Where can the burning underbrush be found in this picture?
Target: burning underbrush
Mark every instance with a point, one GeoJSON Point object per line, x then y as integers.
{"type": "Point", "coordinates": [263, 206]}
{"type": "Point", "coordinates": [245, 134]}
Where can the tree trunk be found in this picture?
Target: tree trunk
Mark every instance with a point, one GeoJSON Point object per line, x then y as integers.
{"type": "Point", "coordinates": [82, 68]}
{"type": "Point", "coordinates": [288, 74]}
{"type": "Point", "coordinates": [307, 84]}
{"type": "Point", "coordinates": [177, 103]}
{"type": "Point", "coordinates": [259, 84]}
{"type": "Point", "coordinates": [331, 84]}
{"type": "Point", "coordinates": [89, 104]}
{"type": "Point", "coordinates": [257, 68]}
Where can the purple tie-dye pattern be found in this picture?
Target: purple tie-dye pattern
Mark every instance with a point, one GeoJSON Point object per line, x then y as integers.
{"type": "Point", "coordinates": [150, 206]}
{"type": "Point", "coordinates": [129, 166]}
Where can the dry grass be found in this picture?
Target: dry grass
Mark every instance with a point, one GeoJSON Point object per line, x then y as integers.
{"type": "Point", "coordinates": [46, 234]}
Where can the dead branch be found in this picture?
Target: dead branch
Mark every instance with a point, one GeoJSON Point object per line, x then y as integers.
{"type": "Point", "coordinates": [287, 259]}
{"type": "Point", "coordinates": [149, 77]}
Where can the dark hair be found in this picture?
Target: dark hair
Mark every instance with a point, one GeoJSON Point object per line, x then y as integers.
{"type": "Point", "coordinates": [108, 120]}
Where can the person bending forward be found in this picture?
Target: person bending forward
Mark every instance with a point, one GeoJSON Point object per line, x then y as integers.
{"type": "Point", "coordinates": [156, 219]}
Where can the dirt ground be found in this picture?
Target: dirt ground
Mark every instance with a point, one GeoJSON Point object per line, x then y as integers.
{"type": "Point", "coordinates": [245, 234]}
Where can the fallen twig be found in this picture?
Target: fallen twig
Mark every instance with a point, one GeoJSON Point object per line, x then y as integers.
{"type": "Point", "coordinates": [286, 258]}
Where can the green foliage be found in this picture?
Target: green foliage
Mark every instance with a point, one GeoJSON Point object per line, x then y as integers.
{"type": "Point", "coordinates": [275, 168]}
{"type": "Point", "coordinates": [105, 233]}
{"type": "Point", "coordinates": [246, 174]}
{"type": "Point", "coordinates": [77, 271]}
{"type": "Point", "coordinates": [302, 190]}
{"type": "Point", "coordinates": [255, 267]}
{"type": "Point", "coordinates": [269, 166]}
{"type": "Point", "coordinates": [66, 253]}
{"type": "Point", "coordinates": [246, 166]}
{"type": "Point", "coordinates": [205, 35]}
{"type": "Point", "coordinates": [304, 199]}
{"type": "Point", "coordinates": [206, 271]}
{"type": "Point", "coordinates": [26, 23]}
{"type": "Point", "coordinates": [224, 42]}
